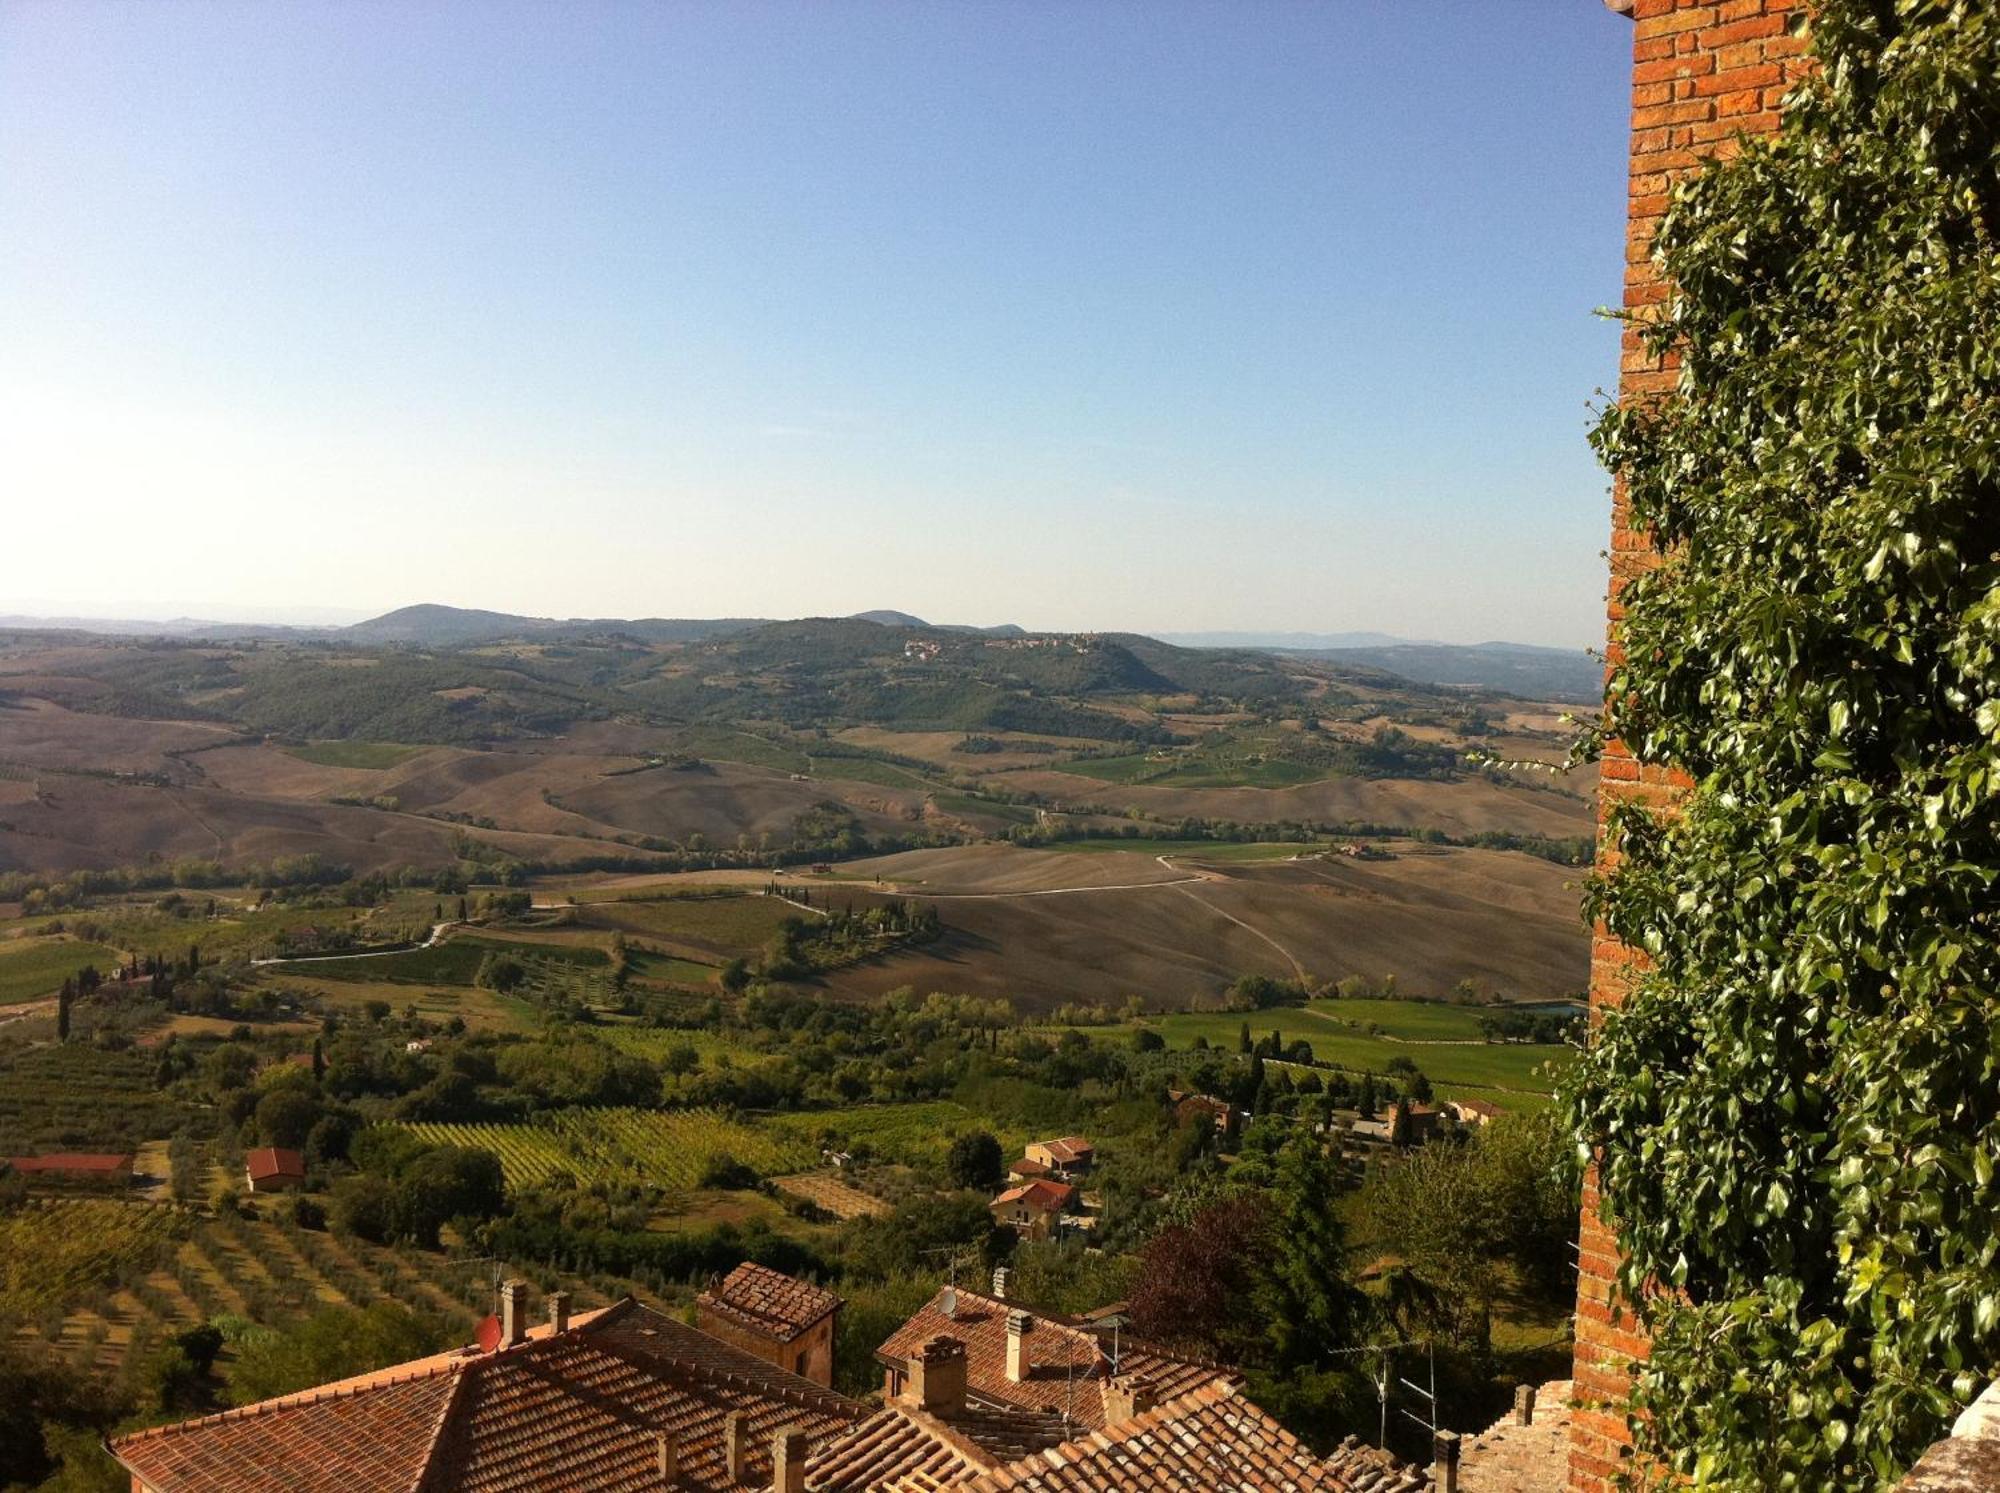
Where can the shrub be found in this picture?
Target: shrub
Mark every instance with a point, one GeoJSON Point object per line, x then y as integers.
{"type": "Point", "coordinates": [1794, 1109]}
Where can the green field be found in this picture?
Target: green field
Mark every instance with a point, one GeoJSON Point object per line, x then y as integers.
{"type": "Point", "coordinates": [915, 1134]}
{"type": "Point", "coordinates": [1201, 850]}
{"type": "Point", "coordinates": [370, 754]}
{"type": "Point", "coordinates": [33, 967]}
{"type": "Point", "coordinates": [741, 923]}
{"type": "Point", "coordinates": [670, 969]}
{"type": "Point", "coordinates": [453, 962]}
{"type": "Point", "coordinates": [1441, 1040]}
{"type": "Point", "coordinates": [868, 770]}
{"type": "Point", "coordinates": [965, 803]}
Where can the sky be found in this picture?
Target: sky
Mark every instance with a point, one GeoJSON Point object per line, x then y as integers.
{"type": "Point", "coordinates": [1151, 316]}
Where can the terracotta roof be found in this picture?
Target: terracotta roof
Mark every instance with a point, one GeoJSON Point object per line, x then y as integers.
{"type": "Point", "coordinates": [1068, 1148]}
{"type": "Point", "coordinates": [274, 1161]}
{"type": "Point", "coordinates": [93, 1163]}
{"type": "Point", "coordinates": [561, 1413]}
{"type": "Point", "coordinates": [1210, 1438]}
{"type": "Point", "coordinates": [769, 1301]}
{"type": "Point", "coordinates": [1040, 1194]}
{"type": "Point", "coordinates": [1067, 1366]}
{"type": "Point", "coordinates": [1026, 1168]}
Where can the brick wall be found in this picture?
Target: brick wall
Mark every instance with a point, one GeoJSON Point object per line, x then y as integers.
{"type": "Point", "coordinates": [1703, 71]}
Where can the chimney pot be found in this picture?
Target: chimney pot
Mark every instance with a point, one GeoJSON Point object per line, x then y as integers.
{"type": "Point", "coordinates": [1002, 1279]}
{"type": "Point", "coordinates": [1524, 1404]}
{"type": "Point", "coordinates": [1444, 1462]}
{"type": "Point", "coordinates": [559, 1311]}
{"type": "Point", "coordinates": [670, 1459]}
{"type": "Point", "coordinates": [788, 1460]}
{"type": "Point", "coordinates": [736, 1443]}
{"type": "Point", "coordinates": [1127, 1396]}
{"type": "Point", "coordinates": [1019, 1325]}
{"type": "Point", "coordinates": [513, 1314]}
{"type": "Point", "coordinates": [937, 1378]}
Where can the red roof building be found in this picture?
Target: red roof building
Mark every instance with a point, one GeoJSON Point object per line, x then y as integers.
{"type": "Point", "coordinates": [272, 1169]}
{"type": "Point", "coordinates": [1034, 1207]}
{"type": "Point", "coordinates": [603, 1404]}
{"type": "Point", "coordinates": [88, 1168]}
{"type": "Point", "coordinates": [786, 1322]}
{"type": "Point", "coordinates": [1037, 1361]}
{"type": "Point", "coordinates": [628, 1400]}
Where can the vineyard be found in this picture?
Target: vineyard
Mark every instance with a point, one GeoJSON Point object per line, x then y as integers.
{"type": "Point", "coordinates": [54, 1251]}
{"type": "Point", "coordinates": [658, 1148]}
{"type": "Point", "coordinates": [104, 1282]}
{"type": "Point", "coordinates": [75, 1098]}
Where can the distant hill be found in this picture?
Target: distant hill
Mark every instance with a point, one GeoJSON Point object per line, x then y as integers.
{"type": "Point", "coordinates": [1517, 668]}
{"type": "Point", "coordinates": [1294, 641]}
{"type": "Point", "coordinates": [430, 625]}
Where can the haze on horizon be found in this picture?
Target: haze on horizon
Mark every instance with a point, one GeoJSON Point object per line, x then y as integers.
{"type": "Point", "coordinates": [1128, 316]}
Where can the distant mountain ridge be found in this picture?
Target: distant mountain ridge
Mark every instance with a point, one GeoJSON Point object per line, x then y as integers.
{"type": "Point", "coordinates": [1517, 668]}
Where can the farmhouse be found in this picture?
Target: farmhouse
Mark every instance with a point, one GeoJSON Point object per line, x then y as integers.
{"type": "Point", "coordinates": [785, 1322]}
{"type": "Point", "coordinates": [979, 1397]}
{"type": "Point", "coordinates": [1034, 1208]}
{"type": "Point", "coordinates": [274, 1169]}
{"type": "Point", "coordinates": [1025, 1170]}
{"type": "Point", "coordinates": [1065, 1156]}
{"type": "Point", "coordinates": [1474, 1111]}
{"type": "Point", "coordinates": [1189, 1108]}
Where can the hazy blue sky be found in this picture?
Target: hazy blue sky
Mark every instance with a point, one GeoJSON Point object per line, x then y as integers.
{"type": "Point", "coordinates": [1081, 315]}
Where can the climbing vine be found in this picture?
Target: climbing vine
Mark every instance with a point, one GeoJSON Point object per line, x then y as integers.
{"type": "Point", "coordinates": [1796, 1110]}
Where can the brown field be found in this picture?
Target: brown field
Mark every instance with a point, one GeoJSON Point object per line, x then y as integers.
{"type": "Point", "coordinates": [1507, 922]}
{"type": "Point", "coordinates": [826, 1190]}
{"type": "Point", "coordinates": [1460, 808]}
{"type": "Point", "coordinates": [40, 733]}
{"type": "Point", "coordinates": [79, 822]}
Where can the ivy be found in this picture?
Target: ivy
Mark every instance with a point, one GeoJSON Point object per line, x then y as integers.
{"type": "Point", "coordinates": [1796, 1110]}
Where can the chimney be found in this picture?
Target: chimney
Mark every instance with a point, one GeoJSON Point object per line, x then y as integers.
{"type": "Point", "coordinates": [559, 1311]}
{"type": "Point", "coordinates": [788, 1460]}
{"type": "Point", "coordinates": [937, 1377]}
{"type": "Point", "coordinates": [670, 1459]}
{"type": "Point", "coordinates": [1444, 1462]}
{"type": "Point", "coordinates": [1126, 1396]}
{"type": "Point", "coordinates": [736, 1444]}
{"type": "Point", "coordinates": [1019, 1325]}
{"type": "Point", "coordinates": [1524, 1404]}
{"type": "Point", "coordinates": [1002, 1279]}
{"type": "Point", "coordinates": [513, 1314]}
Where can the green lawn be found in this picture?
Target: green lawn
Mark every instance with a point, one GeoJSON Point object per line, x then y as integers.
{"type": "Point", "coordinates": [35, 967]}
{"type": "Point", "coordinates": [371, 754]}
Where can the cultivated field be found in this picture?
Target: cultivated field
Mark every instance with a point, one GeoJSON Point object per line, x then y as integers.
{"type": "Point", "coordinates": [33, 967]}
{"type": "Point", "coordinates": [1048, 926]}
